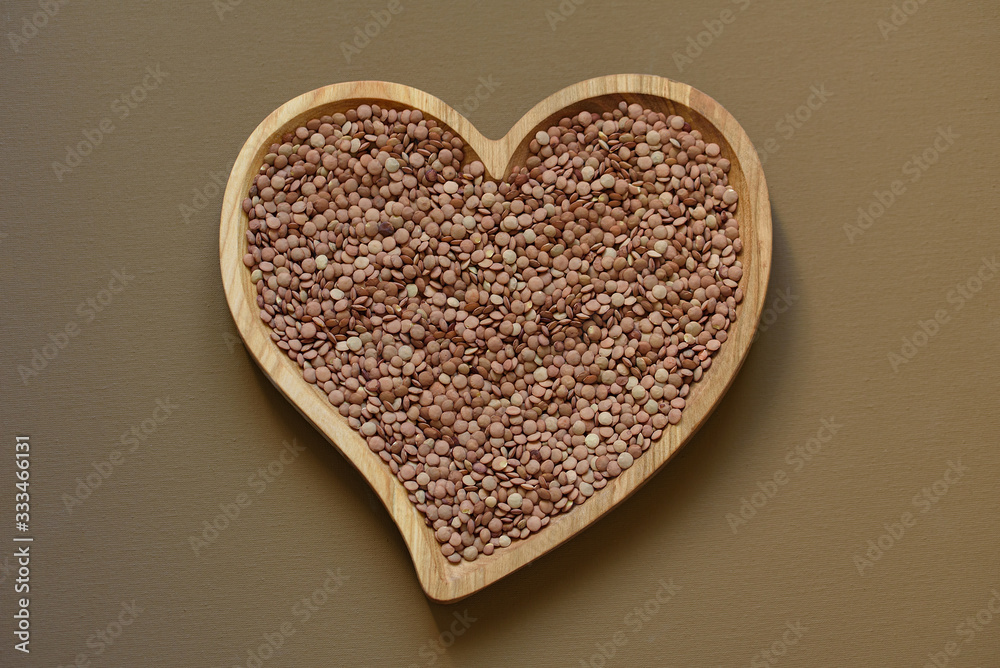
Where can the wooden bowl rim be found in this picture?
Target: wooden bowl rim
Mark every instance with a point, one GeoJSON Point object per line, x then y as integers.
{"type": "Point", "coordinates": [442, 581]}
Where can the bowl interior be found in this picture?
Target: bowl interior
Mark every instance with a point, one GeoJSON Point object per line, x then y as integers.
{"type": "Point", "coordinates": [609, 102]}
{"type": "Point", "coordinates": [342, 106]}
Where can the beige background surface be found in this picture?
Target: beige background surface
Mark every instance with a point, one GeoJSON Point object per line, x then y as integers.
{"type": "Point", "coordinates": [168, 335]}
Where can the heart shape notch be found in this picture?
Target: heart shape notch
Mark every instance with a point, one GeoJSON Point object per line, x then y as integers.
{"type": "Point", "coordinates": [441, 580]}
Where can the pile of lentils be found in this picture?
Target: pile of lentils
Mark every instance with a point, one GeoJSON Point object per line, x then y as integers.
{"type": "Point", "coordinates": [505, 347]}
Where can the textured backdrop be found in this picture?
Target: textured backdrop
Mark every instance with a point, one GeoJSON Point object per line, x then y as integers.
{"type": "Point", "coordinates": [839, 508]}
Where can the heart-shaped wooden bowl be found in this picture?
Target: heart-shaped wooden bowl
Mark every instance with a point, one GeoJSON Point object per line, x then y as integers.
{"type": "Point", "coordinates": [441, 580]}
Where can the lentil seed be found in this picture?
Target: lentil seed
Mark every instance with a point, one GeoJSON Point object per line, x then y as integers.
{"type": "Point", "coordinates": [512, 343]}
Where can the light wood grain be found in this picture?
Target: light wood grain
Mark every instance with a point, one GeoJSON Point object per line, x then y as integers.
{"type": "Point", "coordinates": [441, 580]}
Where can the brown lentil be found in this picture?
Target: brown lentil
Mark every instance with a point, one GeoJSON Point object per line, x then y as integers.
{"type": "Point", "coordinates": [505, 347]}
